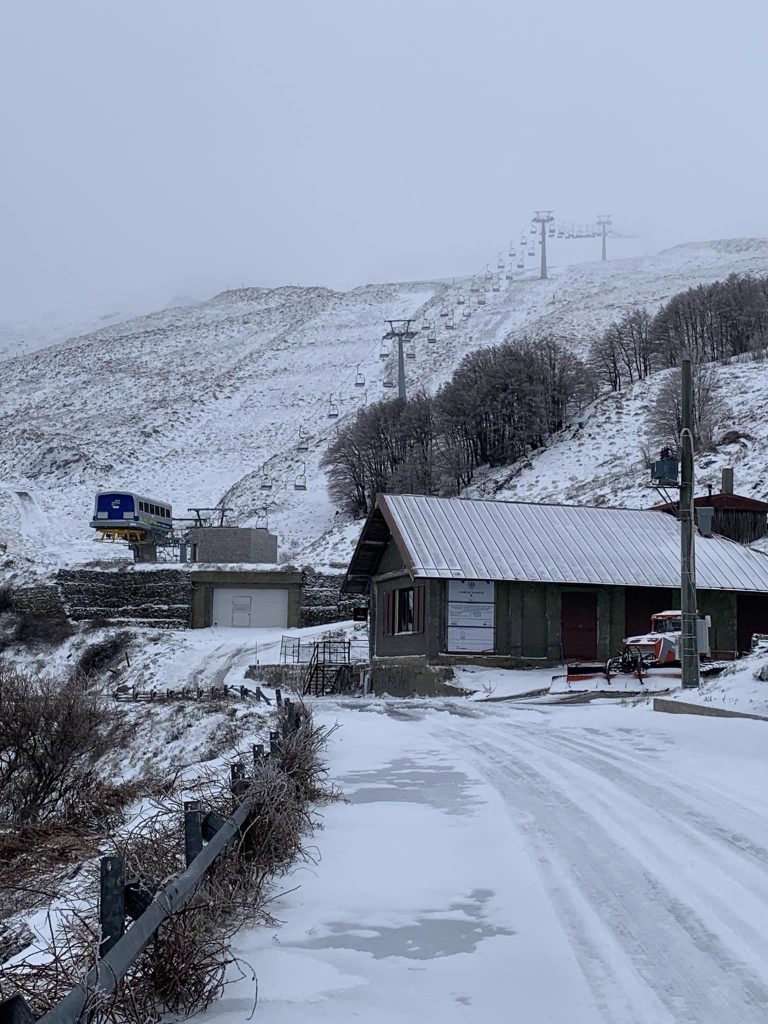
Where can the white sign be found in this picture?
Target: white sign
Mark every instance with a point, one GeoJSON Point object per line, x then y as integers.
{"type": "Point", "coordinates": [470, 591]}
{"type": "Point", "coordinates": [470, 640]}
{"type": "Point", "coordinates": [466, 613]}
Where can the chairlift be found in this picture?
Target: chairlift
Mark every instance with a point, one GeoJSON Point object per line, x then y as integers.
{"type": "Point", "coordinates": [444, 311]}
{"type": "Point", "coordinates": [521, 263]}
{"type": "Point", "coordinates": [496, 285]}
{"type": "Point", "coordinates": [384, 350]}
{"type": "Point", "coordinates": [500, 263]}
{"type": "Point", "coordinates": [475, 287]}
{"type": "Point", "coordinates": [300, 483]}
{"type": "Point", "coordinates": [262, 519]}
{"type": "Point", "coordinates": [509, 275]}
{"type": "Point", "coordinates": [460, 300]}
{"type": "Point", "coordinates": [450, 324]}
{"type": "Point", "coordinates": [388, 382]}
{"type": "Point", "coordinates": [512, 252]}
{"type": "Point", "coordinates": [265, 484]}
{"type": "Point", "coordinates": [303, 443]}
{"type": "Point", "coordinates": [481, 300]}
{"type": "Point", "coordinates": [551, 231]}
{"type": "Point", "coordinates": [410, 352]}
{"type": "Point", "coordinates": [333, 409]}
{"type": "Point", "coordinates": [467, 313]}
{"type": "Point", "coordinates": [425, 323]}
{"type": "Point", "coordinates": [533, 229]}
{"type": "Point", "coordinates": [359, 378]}
{"type": "Point", "coordinates": [432, 336]}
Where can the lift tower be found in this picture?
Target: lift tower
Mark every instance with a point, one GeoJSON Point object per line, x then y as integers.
{"type": "Point", "coordinates": [604, 221]}
{"type": "Point", "coordinates": [543, 217]}
{"type": "Point", "coordinates": [400, 330]}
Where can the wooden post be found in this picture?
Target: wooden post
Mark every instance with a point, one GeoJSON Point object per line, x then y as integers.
{"type": "Point", "coordinates": [278, 696]}
{"type": "Point", "coordinates": [112, 902]}
{"type": "Point", "coordinates": [193, 830]}
{"type": "Point", "coordinates": [274, 743]}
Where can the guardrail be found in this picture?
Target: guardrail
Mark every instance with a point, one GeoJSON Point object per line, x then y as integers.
{"type": "Point", "coordinates": [206, 837]}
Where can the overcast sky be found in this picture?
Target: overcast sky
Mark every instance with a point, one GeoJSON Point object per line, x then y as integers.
{"type": "Point", "coordinates": [152, 148]}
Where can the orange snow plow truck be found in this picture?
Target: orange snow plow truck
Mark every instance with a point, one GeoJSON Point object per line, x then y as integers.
{"type": "Point", "coordinates": [655, 653]}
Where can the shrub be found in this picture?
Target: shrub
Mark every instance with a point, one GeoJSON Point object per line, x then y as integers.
{"type": "Point", "coordinates": [52, 734]}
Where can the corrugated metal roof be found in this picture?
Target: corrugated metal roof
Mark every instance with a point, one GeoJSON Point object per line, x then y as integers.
{"type": "Point", "coordinates": [457, 538]}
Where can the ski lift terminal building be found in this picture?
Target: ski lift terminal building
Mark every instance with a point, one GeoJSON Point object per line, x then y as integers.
{"type": "Point", "coordinates": [454, 580]}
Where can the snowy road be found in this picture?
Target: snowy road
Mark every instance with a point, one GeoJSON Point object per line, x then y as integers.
{"type": "Point", "coordinates": [495, 863]}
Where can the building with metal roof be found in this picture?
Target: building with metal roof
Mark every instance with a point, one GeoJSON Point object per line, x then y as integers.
{"type": "Point", "coordinates": [451, 579]}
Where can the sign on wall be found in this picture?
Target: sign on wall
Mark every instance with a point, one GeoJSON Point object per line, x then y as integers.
{"type": "Point", "coordinates": [471, 616]}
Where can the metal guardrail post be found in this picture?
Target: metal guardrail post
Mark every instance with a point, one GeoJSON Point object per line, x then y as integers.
{"type": "Point", "coordinates": [193, 830]}
{"type": "Point", "coordinates": [274, 744]}
{"type": "Point", "coordinates": [111, 902]}
{"type": "Point", "coordinates": [278, 696]}
{"type": "Point", "coordinates": [111, 969]}
{"type": "Point", "coordinates": [238, 782]}
{"type": "Point", "coordinates": [15, 1010]}
{"type": "Point", "coordinates": [258, 754]}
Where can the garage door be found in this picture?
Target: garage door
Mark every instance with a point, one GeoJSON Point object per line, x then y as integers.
{"type": "Point", "coordinates": [250, 607]}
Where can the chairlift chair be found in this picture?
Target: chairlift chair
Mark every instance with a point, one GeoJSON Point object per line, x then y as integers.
{"type": "Point", "coordinates": [467, 312]}
{"type": "Point", "coordinates": [500, 263]}
{"type": "Point", "coordinates": [265, 483]}
{"type": "Point", "coordinates": [460, 300]}
{"type": "Point", "coordinates": [384, 350]}
{"type": "Point", "coordinates": [475, 287]}
{"type": "Point", "coordinates": [302, 444]}
{"type": "Point", "coordinates": [425, 323]}
{"type": "Point", "coordinates": [300, 483]}
{"type": "Point", "coordinates": [444, 311]}
{"type": "Point", "coordinates": [496, 285]}
{"type": "Point", "coordinates": [509, 275]}
{"type": "Point", "coordinates": [481, 300]}
{"type": "Point", "coordinates": [333, 409]}
{"type": "Point", "coordinates": [531, 251]}
{"type": "Point", "coordinates": [388, 382]}
{"type": "Point", "coordinates": [449, 326]}
{"type": "Point", "coordinates": [551, 231]}
{"type": "Point", "coordinates": [521, 264]}
{"type": "Point", "coordinates": [432, 336]}
{"type": "Point", "coordinates": [533, 229]}
{"type": "Point", "coordinates": [359, 378]}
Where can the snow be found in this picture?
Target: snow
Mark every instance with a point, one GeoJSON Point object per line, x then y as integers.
{"type": "Point", "coordinates": [189, 403]}
{"type": "Point", "coordinates": [494, 861]}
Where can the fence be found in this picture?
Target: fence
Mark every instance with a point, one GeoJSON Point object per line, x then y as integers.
{"type": "Point", "coordinates": [340, 650]}
{"type": "Point", "coordinates": [206, 837]}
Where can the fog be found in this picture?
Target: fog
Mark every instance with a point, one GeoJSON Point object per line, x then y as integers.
{"type": "Point", "coordinates": [157, 149]}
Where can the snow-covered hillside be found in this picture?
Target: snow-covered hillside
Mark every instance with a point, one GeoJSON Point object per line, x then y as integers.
{"type": "Point", "coordinates": [191, 403]}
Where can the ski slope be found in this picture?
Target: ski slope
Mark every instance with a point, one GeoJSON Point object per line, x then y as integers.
{"type": "Point", "coordinates": [596, 865]}
{"type": "Point", "coordinates": [199, 402]}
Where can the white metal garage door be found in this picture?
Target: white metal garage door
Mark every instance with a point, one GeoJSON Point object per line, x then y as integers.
{"type": "Point", "coordinates": [248, 607]}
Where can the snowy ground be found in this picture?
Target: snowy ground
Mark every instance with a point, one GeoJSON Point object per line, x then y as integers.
{"type": "Point", "coordinates": [494, 863]}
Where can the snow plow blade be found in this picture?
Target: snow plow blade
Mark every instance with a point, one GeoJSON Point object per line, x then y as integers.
{"type": "Point", "coordinates": [587, 672]}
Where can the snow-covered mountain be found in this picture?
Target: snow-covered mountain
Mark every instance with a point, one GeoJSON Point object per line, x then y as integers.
{"type": "Point", "coordinates": [191, 403]}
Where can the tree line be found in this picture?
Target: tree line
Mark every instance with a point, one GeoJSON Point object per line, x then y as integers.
{"type": "Point", "coordinates": [708, 323]}
{"type": "Point", "coordinates": [500, 403]}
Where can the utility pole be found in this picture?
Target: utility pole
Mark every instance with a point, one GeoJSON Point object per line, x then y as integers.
{"type": "Point", "coordinates": [401, 331]}
{"type": "Point", "coordinates": [689, 640]}
{"type": "Point", "coordinates": [543, 217]}
{"type": "Point", "coordinates": [604, 221]}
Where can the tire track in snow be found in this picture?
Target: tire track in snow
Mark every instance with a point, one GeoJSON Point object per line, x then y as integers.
{"type": "Point", "coordinates": [611, 901]}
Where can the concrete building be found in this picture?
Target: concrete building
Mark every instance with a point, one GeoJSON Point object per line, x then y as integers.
{"type": "Point", "coordinates": [226, 544]}
{"type": "Point", "coordinates": [246, 599]}
{"type": "Point", "coordinates": [513, 584]}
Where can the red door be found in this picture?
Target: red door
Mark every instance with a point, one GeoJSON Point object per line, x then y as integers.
{"type": "Point", "coordinates": [579, 625]}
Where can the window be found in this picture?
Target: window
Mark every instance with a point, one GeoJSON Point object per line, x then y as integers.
{"type": "Point", "coordinates": [403, 610]}
{"type": "Point", "coordinates": [404, 614]}
{"type": "Point", "coordinates": [141, 507]}
{"type": "Point", "coordinates": [153, 510]}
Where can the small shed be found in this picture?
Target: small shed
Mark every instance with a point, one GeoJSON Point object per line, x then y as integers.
{"type": "Point", "coordinates": [454, 580]}
{"type": "Point", "coordinates": [246, 598]}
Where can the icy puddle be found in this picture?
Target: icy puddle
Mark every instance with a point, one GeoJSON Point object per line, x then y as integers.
{"type": "Point", "coordinates": [434, 934]}
{"type": "Point", "coordinates": [408, 780]}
